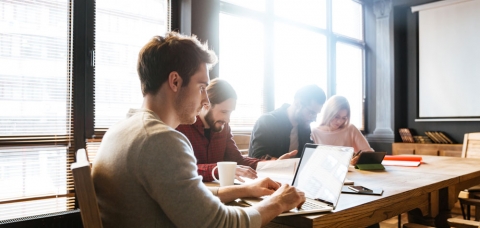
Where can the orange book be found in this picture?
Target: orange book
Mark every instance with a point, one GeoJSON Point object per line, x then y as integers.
{"type": "Point", "coordinates": [402, 160]}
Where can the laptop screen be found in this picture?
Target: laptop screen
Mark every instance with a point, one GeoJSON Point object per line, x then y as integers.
{"type": "Point", "coordinates": [322, 171]}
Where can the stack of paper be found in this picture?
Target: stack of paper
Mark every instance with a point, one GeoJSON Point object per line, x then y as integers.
{"type": "Point", "coordinates": [282, 171]}
{"type": "Point", "coordinates": [402, 160]}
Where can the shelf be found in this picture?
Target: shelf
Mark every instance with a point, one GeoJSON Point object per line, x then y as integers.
{"type": "Point", "coordinates": [452, 150]}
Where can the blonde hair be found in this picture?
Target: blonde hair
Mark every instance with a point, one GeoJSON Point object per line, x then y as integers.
{"type": "Point", "coordinates": [331, 108]}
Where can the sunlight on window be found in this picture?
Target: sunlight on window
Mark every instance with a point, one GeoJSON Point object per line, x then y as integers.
{"type": "Point", "coordinates": [348, 18]}
{"type": "Point", "coordinates": [28, 172]}
{"type": "Point", "coordinates": [349, 79]}
{"type": "Point", "coordinates": [258, 5]}
{"type": "Point", "coordinates": [121, 30]}
{"type": "Point", "coordinates": [300, 59]}
{"type": "Point", "coordinates": [34, 68]}
{"type": "Point", "coordinates": [310, 12]}
{"type": "Point", "coordinates": [241, 62]}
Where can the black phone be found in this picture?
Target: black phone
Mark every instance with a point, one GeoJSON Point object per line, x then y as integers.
{"type": "Point", "coordinates": [357, 188]}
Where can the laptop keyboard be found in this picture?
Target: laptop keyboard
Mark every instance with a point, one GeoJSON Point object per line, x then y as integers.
{"type": "Point", "coordinates": [308, 205]}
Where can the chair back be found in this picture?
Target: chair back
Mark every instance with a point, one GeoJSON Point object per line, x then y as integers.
{"type": "Point", "coordinates": [471, 145]}
{"type": "Point", "coordinates": [85, 192]}
{"type": "Point", "coordinates": [243, 142]}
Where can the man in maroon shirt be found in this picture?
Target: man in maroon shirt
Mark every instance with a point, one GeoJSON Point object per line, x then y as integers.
{"type": "Point", "coordinates": [211, 136]}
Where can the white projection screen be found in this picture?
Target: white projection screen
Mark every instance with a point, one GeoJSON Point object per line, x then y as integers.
{"type": "Point", "coordinates": [449, 59]}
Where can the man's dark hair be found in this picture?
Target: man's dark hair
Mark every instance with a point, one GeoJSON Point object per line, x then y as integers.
{"type": "Point", "coordinates": [219, 91]}
{"type": "Point", "coordinates": [310, 93]}
{"type": "Point", "coordinates": [174, 52]}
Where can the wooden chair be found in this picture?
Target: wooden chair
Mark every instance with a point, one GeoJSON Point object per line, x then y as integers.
{"type": "Point", "coordinates": [243, 142]}
{"type": "Point", "coordinates": [461, 223]}
{"type": "Point", "coordinates": [85, 192]}
{"type": "Point", "coordinates": [471, 145]}
{"type": "Point", "coordinates": [471, 149]}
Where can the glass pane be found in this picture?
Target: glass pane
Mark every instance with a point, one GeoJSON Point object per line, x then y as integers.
{"type": "Point", "coordinates": [36, 207]}
{"type": "Point", "coordinates": [350, 80]}
{"type": "Point", "coordinates": [122, 28]}
{"type": "Point", "coordinates": [348, 18]}
{"type": "Point", "coordinates": [34, 75]}
{"type": "Point", "coordinates": [28, 172]}
{"type": "Point", "coordinates": [258, 5]}
{"type": "Point", "coordinates": [241, 60]}
{"type": "Point", "coordinates": [298, 62]}
{"type": "Point", "coordinates": [310, 12]}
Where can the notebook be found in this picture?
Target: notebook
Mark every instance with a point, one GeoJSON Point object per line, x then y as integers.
{"type": "Point", "coordinates": [321, 173]}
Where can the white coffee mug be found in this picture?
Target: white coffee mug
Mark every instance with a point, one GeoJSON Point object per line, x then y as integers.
{"type": "Point", "coordinates": [226, 172]}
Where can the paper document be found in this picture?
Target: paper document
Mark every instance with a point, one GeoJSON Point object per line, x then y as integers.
{"type": "Point", "coordinates": [281, 171]}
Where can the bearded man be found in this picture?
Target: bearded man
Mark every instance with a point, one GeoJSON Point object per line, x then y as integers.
{"type": "Point", "coordinates": [211, 136]}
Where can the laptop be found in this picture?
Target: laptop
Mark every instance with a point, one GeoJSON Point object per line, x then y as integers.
{"type": "Point", "coordinates": [320, 174]}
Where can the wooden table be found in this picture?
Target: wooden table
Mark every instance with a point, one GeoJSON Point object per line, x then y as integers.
{"type": "Point", "coordinates": [432, 187]}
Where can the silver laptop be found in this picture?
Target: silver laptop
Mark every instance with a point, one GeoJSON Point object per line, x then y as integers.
{"type": "Point", "coordinates": [321, 173]}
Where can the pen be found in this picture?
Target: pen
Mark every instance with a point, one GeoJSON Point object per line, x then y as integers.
{"type": "Point", "coordinates": [356, 154]}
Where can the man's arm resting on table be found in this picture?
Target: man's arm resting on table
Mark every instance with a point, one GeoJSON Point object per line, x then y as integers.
{"type": "Point", "coordinates": [257, 188]}
{"type": "Point", "coordinates": [283, 197]}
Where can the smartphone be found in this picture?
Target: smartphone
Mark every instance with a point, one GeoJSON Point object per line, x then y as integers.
{"type": "Point", "coordinates": [359, 189]}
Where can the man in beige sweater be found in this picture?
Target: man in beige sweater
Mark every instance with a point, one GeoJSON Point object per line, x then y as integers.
{"type": "Point", "coordinates": [145, 172]}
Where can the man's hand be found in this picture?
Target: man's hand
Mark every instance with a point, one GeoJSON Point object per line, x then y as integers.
{"type": "Point", "coordinates": [288, 197]}
{"type": "Point", "coordinates": [245, 171]}
{"type": "Point", "coordinates": [288, 155]}
{"type": "Point", "coordinates": [257, 188]}
{"type": "Point", "coordinates": [262, 187]}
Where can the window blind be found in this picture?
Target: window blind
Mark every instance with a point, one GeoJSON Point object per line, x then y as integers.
{"type": "Point", "coordinates": [121, 30]}
{"type": "Point", "coordinates": [36, 113]}
{"type": "Point", "coordinates": [122, 27]}
{"type": "Point", "coordinates": [247, 81]}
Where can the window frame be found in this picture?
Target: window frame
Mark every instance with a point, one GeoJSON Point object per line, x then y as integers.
{"type": "Point", "coordinates": [71, 139]}
{"type": "Point", "coordinates": [82, 56]}
{"type": "Point", "coordinates": [268, 19]}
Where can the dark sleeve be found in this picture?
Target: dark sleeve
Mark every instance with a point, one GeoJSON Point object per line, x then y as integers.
{"type": "Point", "coordinates": [261, 141]}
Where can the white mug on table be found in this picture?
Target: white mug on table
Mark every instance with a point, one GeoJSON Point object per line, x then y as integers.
{"type": "Point", "coordinates": [226, 172]}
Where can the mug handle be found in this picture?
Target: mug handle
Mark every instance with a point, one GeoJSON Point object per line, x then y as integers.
{"type": "Point", "coordinates": [213, 173]}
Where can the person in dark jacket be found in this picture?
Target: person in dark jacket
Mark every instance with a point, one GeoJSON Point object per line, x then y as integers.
{"type": "Point", "coordinates": [288, 127]}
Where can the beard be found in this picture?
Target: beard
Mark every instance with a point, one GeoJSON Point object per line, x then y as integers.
{"type": "Point", "coordinates": [212, 123]}
{"type": "Point", "coordinates": [186, 109]}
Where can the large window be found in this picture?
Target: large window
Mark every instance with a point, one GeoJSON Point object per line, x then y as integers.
{"type": "Point", "coordinates": [36, 107]}
{"type": "Point", "coordinates": [48, 55]}
{"type": "Point", "coordinates": [122, 27]}
{"type": "Point", "coordinates": [271, 48]}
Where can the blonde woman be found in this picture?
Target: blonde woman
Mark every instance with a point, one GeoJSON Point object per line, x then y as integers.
{"type": "Point", "coordinates": [335, 128]}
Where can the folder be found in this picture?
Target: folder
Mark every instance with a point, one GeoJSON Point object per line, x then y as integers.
{"type": "Point", "coordinates": [370, 160]}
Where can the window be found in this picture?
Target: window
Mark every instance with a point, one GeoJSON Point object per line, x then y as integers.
{"type": "Point", "coordinates": [121, 29]}
{"type": "Point", "coordinates": [42, 89]}
{"type": "Point", "coordinates": [286, 45]}
{"type": "Point", "coordinates": [247, 81]}
{"type": "Point", "coordinates": [36, 114]}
